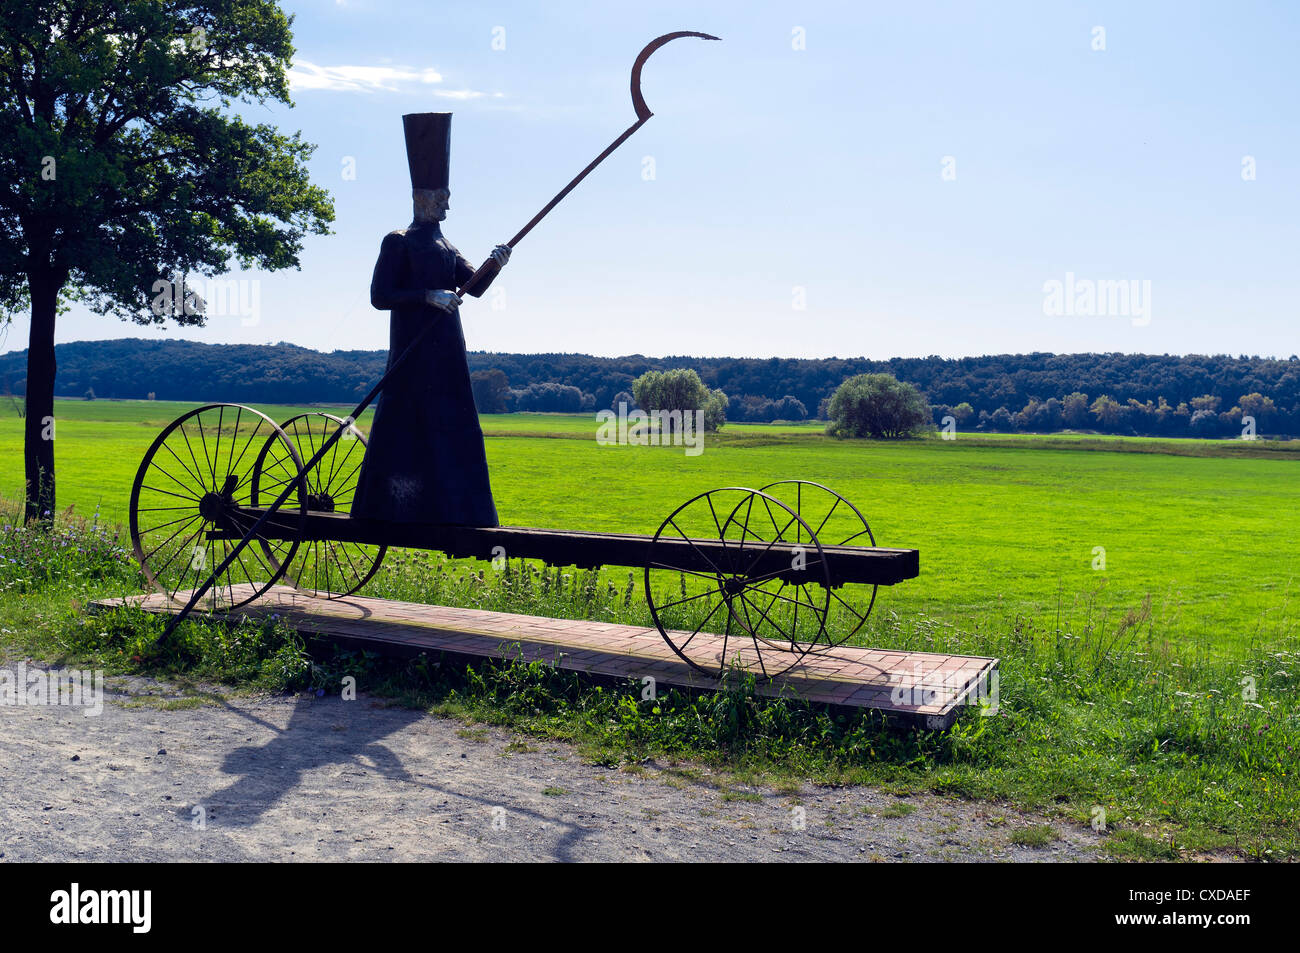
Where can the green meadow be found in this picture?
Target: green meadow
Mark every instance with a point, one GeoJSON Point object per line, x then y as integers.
{"type": "Point", "coordinates": [1139, 594]}
{"type": "Point", "coordinates": [1016, 525]}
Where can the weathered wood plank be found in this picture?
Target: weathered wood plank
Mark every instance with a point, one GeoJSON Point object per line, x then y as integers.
{"type": "Point", "coordinates": [923, 687]}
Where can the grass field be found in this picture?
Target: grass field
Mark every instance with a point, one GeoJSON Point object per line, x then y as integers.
{"type": "Point", "coordinates": [1003, 524]}
{"type": "Point", "coordinates": [1160, 689]}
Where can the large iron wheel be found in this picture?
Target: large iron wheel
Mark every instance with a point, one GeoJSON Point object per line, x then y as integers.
{"type": "Point", "coordinates": [836, 522]}
{"type": "Point", "coordinates": [188, 506]}
{"type": "Point", "coordinates": [765, 623]}
{"type": "Point", "coordinates": [323, 567]}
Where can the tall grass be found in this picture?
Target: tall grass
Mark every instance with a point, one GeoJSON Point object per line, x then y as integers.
{"type": "Point", "coordinates": [1178, 745]}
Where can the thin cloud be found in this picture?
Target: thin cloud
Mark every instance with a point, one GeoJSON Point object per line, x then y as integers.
{"type": "Point", "coordinates": [371, 79]}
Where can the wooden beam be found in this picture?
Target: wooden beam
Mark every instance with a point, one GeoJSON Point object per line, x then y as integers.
{"type": "Point", "coordinates": [846, 564]}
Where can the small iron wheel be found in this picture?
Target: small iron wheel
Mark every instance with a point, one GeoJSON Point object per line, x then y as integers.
{"type": "Point", "coordinates": [837, 522]}
{"type": "Point", "coordinates": [703, 580]}
{"type": "Point", "coordinates": [188, 506]}
{"type": "Point", "coordinates": [327, 568]}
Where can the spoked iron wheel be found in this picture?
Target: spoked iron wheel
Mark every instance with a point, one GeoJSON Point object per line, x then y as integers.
{"type": "Point", "coordinates": [714, 606]}
{"type": "Point", "coordinates": [837, 522]}
{"type": "Point", "coordinates": [188, 506]}
{"type": "Point", "coordinates": [324, 567]}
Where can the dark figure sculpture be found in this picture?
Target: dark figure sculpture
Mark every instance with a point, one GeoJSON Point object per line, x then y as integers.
{"type": "Point", "coordinates": [425, 461]}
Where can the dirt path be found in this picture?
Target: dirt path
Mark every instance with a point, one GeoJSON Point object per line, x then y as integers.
{"type": "Point", "coordinates": [309, 778]}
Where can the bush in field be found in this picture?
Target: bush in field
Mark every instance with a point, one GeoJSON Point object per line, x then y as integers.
{"type": "Point", "coordinates": [552, 398]}
{"type": "Point", "coordinates": [876, 405]}
{"type": "Point", "coordinates": [680, 389]}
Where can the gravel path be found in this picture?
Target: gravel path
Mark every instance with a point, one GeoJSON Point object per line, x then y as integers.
{"type": "Point", "coordinates": [305, 778]}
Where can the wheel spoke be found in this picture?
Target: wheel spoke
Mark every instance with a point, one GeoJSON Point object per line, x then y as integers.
{"type": "Point", "coordinates": [701, 595]}
{"type": "Point", "coordinates": [179, 496]}
{"type": "Point", "coordinates": [197, 467]}
{"type": "Point", "coordinates": [697, 549]}
{"type": "Point", "coordinates": [768, 549]}
{"type": "Point", "coordinates": [721, 603]}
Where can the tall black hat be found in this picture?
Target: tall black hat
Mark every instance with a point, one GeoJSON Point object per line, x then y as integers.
{"type": "Point", "coordinates": [428, 149]}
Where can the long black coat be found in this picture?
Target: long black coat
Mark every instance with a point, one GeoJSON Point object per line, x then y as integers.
{"type": "Point", "coordinates": [425, 461]}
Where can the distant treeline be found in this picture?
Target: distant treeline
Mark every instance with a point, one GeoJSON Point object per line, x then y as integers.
{"type": "Point", "coordinates": [1116, 393]}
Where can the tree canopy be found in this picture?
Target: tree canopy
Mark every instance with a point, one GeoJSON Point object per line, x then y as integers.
{"type": "Point", "coordinates": [877, 405]}
{"type": "Point", "coordinates": [680, 389]}
{"type": "Point", "coordinates": [124, 165]}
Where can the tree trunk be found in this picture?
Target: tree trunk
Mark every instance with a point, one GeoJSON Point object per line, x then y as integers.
{"type": "Point", "coordinates": [38, 447]}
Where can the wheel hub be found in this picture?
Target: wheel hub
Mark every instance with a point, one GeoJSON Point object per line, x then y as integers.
{"type": "Point", "coordinates": [321, 501]}
{"type": "Point", "coordinates": [212, 506]}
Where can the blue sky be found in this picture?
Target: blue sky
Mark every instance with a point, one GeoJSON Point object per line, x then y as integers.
{"type": "Point", "coordinates": [814, 176]}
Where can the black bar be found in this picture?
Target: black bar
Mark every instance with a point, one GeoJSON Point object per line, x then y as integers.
{"type": "Point", "coordinates": [846, 564]}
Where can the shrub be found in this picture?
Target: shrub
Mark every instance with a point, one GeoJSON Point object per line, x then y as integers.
{"type": "Point", "coordinates": [876, 405]}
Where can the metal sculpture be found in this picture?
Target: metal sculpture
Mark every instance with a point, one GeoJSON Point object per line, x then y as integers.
{"type": "Point", "coordinates": [751, 564]}
{"type": "Point", "coordinates": [426, 462]}
{"type": "Point", "coordinates": [476, 281]}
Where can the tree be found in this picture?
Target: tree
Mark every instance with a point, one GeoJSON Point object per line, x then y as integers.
{"type": "Point", "coordinates": [715, 410]}
{"type": "Point", "coordinates": [789, 408]}
{"type": "Point", "coordinates": [1257, 406]}
{"type": "Point", "coordinates": [876, 405]}
{"type": "Point", "coordinates": [1074, 409]}
{"type": "Point", "coordinates": [1001, 420]}
{"type": "Point", "coordinates": [126, 171]}
{"type": "Point", "coordinates": [679, 389]}
{"type": "Point", "coordinates": [490, 389]}
{"type": "Point", "coordinates": [1109, 412]}
{"type": "Point", "coordinates": [551, 398]}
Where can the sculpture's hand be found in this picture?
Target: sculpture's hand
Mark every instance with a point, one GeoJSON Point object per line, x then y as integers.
{"type": "Point", "coordinates": [446, 300]}
{"type": "Point", "coordinates": [501, 255]}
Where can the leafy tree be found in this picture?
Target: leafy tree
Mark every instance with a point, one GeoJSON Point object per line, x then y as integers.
{"type": "Point", "coordinates": [876, 405]}
{"type": "Point", "coordinates": [124, 167]}
{"type": "Point", "coordinates": [1257, 406]}
{"type": "Point", "coordinates": [1002, 420]}
{"type": "Point", "coordinates": [667, 391]}
{"type": "Point", "coordinates": [490, 389]}
{"type": "Point", "coordinates": [715, 410]}
{"type": "Point", "coordinates": [1109, 412]}
{"type": "Point", "coordinates": [550, 397]}
{"type": "Point", "coordinates": [789, 408]}
{"type": "Point", "coordinates": [1205, 422]}
{"type": "Point", "coordinates": [1074, 408]}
